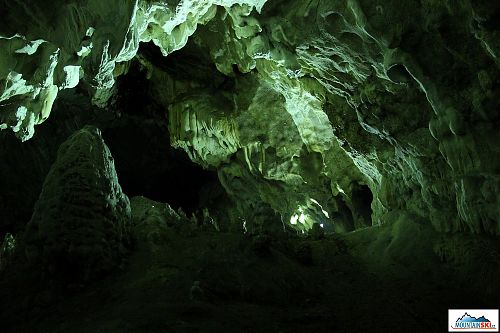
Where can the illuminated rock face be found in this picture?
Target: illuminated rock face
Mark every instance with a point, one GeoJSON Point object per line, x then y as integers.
{"type": "Point", "coordinates": [90, 40]}
{"type": "Point", "coordinates": [81, 220]}
{"type": "Point", "coordinates": [343, 113]}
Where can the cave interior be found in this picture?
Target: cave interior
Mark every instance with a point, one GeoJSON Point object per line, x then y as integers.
{"type": "Point", "coordinates": [248, 165]}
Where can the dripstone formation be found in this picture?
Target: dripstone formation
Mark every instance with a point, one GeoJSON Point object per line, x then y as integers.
{"type": "Point", "coordinates": [81, 222]}
{"type": "Point", "coordinates": [301, 107]}
{"type": "Point", "coordinates": [292, 166]}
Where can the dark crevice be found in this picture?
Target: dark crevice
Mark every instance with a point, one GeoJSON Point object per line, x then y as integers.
{"type": "Point", "coordinates": [362, 198]}
{"type": "Point", "coordinates": [399, 73]}
{"type": "Point", "coordinates": [148, 166]}
{"type": "Point", "coordinates": [191, 63]}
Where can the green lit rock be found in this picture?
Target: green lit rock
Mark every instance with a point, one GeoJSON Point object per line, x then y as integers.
{"type": "Point", "coordinates": [80, 225]}
{"type": "Point", "coordinates": [366, 108]}
{"type": "Point", "coordinates": [201, 126]}
{"type": "Point", "coordinates": [28, 90]}
{"type": "Point", "coordinates": [91, 40]}
{"type": "Point", "coordinates": [362, 94]}
{"type": "Point", "coordinates": [338, 161]}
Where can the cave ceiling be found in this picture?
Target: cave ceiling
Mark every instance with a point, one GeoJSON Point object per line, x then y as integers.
{"type": "Point", "coordinates": [344, 113]}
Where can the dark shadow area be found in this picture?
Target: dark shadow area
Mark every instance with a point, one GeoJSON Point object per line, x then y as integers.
{"type": "Point", "coordinates": [191, 63]}
{"type": "Point", "coordinates": [148, 166]}
{"type": "Point", "coordinates": [140, 143]}
{"type": "Point", "coordinates": [362, 198]}
{"type": "Point", "coordinates": [188, 279]}
{"type": "Point", "coordinates": [342, 219]}
{"type": "Point", "coordinates": [25, 164]}
{"type": "Point", "coordinates": [399, 73]}
{"type": "Point", "coordinates": [135, 129]}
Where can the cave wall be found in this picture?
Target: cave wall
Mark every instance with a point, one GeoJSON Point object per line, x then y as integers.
{"type": "Point", "coordinates": [310, 111]}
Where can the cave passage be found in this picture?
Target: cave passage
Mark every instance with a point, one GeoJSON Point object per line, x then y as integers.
{"type": "Point", "coordinates": [135, 129]}
{"type": "Point", "coordinates": [362, 199]}
{"type": "Point", "coordinates": [148, 166]}
{"type": "Point", "coordinates": [139, 140]}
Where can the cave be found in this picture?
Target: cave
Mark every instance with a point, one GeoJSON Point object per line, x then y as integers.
{"type": "Point", "coordinates": [157, 171]}
{"type": "Point", "coordinates": [249, 166]}
{"type": "Point", "coordinates": [145, 162]}
{"type": "Point", "coordinates": [362, 201]}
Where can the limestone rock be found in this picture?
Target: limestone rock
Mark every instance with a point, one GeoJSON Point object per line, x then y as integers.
{"type": "Point", "coordinates": [151, 219]}
{"type": "Point", "coordinates": [80, 225]}
{"type": "Point", "coordinates": [337, 112]}
{"type": "Point", "coordinates": [91, 40]}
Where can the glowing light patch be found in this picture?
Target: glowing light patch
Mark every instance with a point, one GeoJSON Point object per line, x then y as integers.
{"type": "Point", "coordinates": [20, 116]}
{"type": "Point", "coordinates": [322, 210]}
{"type": "Point", "coordinates": [298, 218]}
{"type": "Point", "coordinates": [85, 50]}
{"type": "Point", "coordinates": [90, 32]}
{"type": "Point", "coordinates": [72, 77]}
{"type": "Point", "coordinates": [340, 189]}
{"type": "Point", "coordinates": [301, 219]}
{"type": "Point", "coordinates": [31, 48]}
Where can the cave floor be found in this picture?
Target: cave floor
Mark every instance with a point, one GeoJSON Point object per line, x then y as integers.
{"type": "Point", "coordinates": [191, 280]}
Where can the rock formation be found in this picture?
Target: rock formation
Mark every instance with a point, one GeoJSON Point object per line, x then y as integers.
{"type": "Point", "coordinates": [81, 222]}
{"type": "Point", "coordinates": [309, 110]}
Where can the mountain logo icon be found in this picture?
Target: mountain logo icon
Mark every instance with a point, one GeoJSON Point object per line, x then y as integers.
{"type": "Point", "coordinates": [474, 321]}
{"type": "Point", "coordinates": [469, 319]}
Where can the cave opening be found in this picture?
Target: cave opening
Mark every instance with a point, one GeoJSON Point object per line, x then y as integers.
{"type": "Point", "coordinates": [148, 166]}
{"type": "Point", "coordinates": [134, 127]}
{"type": "Point", "coordinates": [139, 141]}
{"type": "Point", "coordinates": [362, 198]}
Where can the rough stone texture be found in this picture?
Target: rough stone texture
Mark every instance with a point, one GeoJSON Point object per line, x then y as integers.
{"type": "Point", "coordinates": [150, 218]}
{"type": "Point", "coordinates": [315, 116]}
{"type": "Point", "coordinates": [188, 279]}
{"type": "Point", "coordinates": [81, 220]}
{"type": "Point", "coordinates": [346, 109]}
{"type": "Point", "coordinates": [312, 110]}
{"type": "Point", "coordinates": [28, 163]}
{"type": "Point", "coordinates": [90, 40]}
